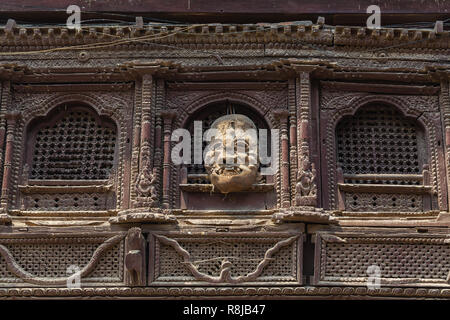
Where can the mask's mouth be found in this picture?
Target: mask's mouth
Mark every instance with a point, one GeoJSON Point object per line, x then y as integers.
{"type": "Point", "coordinates": [228, 170]}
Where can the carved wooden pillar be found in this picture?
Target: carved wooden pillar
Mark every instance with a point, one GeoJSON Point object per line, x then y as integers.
{"type": "Point", "coordinates": [167, 122]}
{"type": "Point", "coordinates": [5, 97]}
{"type": "Point", "coordinates": [445, 102]}
{"type": "Point", "coordinates": [147, 96]}
{"type": "Point", "coordinates": [9, 149]}
{"type": "Point", "coordinates": [147, 182]}
{"type": "Point", "coordinates": [306, 188]}
{"type": "Point", "coordinates": [282, 116]}
{"type": "Point", "coordinates": [292, 136]}
{"type": "Point", "coordinates": [136, 138]}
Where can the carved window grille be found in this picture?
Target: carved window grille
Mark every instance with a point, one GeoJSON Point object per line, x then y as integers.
{"type": "Point", "coordinates": [76, 145]}
{"type": "Point", "coordinates": [381, 161]}
{"type": "Point", "coordinates": [69, 161]}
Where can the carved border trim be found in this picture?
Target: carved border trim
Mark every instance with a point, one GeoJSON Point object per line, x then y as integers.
{"type": "Point", "coordinates": [229, 292]}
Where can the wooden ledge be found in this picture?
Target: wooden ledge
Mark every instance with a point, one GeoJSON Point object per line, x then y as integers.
{"type": "Point", "coordinates": [198, 187]}
{"type": "Point", "coordinates": [99, 188]}
{"type": "Point", "coordinates": [385, 188]}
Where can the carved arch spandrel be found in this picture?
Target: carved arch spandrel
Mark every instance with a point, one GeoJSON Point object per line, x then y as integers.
{"type": "Point", "coordinates": [410, 106]}
{"type": "Point", "coordinates": [115, 106]}
{"type": "Point", "coordinates": [208, 98]}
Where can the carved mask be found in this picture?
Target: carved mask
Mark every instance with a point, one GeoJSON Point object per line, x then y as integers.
{"type": "Point", "coordinates": [231, 158]}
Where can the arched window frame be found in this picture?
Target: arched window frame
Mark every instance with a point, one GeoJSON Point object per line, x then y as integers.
{"type": "Point", "coordinates": [111, 188]}
{"type": "Point", "coordinates": [347, 104]}
{"type": "Point", "coordinates": [56, 114]}
{"type": "Point", "coordinates": [179, 174]}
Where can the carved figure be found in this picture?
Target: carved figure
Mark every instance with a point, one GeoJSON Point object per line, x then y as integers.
{"type": "Point", "coordinates": [134, 259]}
{"type": "Point", "coordinates": [306, 188]}
{"type": "Point", "coordinates": [236, 171]}
{"type": "Point", "coordinates": [146, 184]}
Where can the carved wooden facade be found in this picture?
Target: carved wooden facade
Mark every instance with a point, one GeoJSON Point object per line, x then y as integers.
{"type": "Point", "coordinates": [88, 181]}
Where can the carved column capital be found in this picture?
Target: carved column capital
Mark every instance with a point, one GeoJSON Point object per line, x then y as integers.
{"type": "Point", "coordinates": [13, 116]}
{"type": "Point", "coordinates": [281, 114]}
{"type": "Point", "coordinates": [168, 116]}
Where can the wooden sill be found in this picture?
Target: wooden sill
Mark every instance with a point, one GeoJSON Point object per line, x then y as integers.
{"type": "Point", "coordinates": [197, 187]}
{"type": "Point", "coordinates": [384, 188]}
{"type": "Point", "coordinates": [29, 189]}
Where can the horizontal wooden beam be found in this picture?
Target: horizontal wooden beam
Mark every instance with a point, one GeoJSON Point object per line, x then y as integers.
{"type": "Point", "coordinates": [230, 6]}
{"type": "Point", "coordinates": [384, 188]}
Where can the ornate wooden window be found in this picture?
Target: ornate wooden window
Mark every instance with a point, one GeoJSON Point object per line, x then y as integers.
{"type": "Point", "coordinates": [194, 177]}
{"type": "Point", "coordinates": [382, 161]}
{"type": "Point", "coordinates": [69, 161]}
{"type": "Point", "coordinates": [197, 172]}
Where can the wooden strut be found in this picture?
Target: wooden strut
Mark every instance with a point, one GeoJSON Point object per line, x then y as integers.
{"type": "Point", "coordinates": [225, 269]}
{"type": "Point", "coordinates": [18, 271]}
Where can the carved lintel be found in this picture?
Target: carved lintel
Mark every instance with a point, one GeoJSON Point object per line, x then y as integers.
{"type": "Point", "coordinates": [135, 274]}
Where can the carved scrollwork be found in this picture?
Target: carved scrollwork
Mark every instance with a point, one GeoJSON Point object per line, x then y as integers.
{"type": "Point", "coordinates": [225, 268]}
{"type": "Point", "coordinates": [14, 267]}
